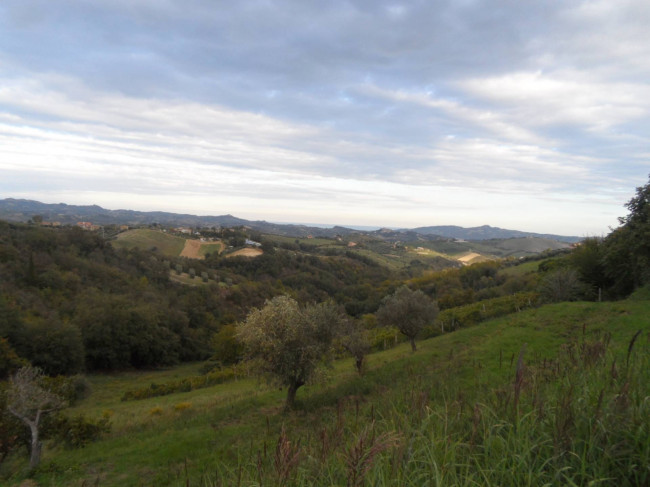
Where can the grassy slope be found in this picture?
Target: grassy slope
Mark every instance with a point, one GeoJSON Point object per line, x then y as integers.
{"type": "Point", "coordinates": [420, 399]}
{"type": "Point", "coordinates": [168, 245]}
{"type": "Point", "coordinates": [210, 247]}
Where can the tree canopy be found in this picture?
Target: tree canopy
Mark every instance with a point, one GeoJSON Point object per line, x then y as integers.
{"type": "Point", "coordinates": [627, 248]}
{"type": "Point", "coordinates": [288, 343]}
{"type": "Point", "coordinates": [409, 311]}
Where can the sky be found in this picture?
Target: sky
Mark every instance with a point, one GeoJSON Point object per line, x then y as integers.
{"type": "Point", "coordinates": [528, 115]}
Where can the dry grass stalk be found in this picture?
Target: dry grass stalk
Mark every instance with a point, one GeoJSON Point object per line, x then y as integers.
{"type": "Point", "coordinates": [592, 353]}
{"type": "Point", "coordinates": [564, 420]}
{"type": "Point", "coordinates": [519, 376]}
{"type": "Point", "coordinates": [614, 371]}
{"type": "Point", "coordinates": [623, 399]}
{"type": "Point", "coordinates": [360, 457]}
{"type": "Point", "coordinates": [476, 421]}
{"type": "Point", "coordinates": [631, 346]}
{"type": "Point", "coordinates": [287, 457]}
{"type": "Point", "coordinates": [419, 402]}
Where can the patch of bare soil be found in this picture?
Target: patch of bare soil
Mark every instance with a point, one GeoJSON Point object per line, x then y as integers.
{"type": "Point", "coordinates": [247, 253]}
{"type": "Point", "coordinates": [465, 259]}
{"type": "Point", "coordinates": [191, 249]}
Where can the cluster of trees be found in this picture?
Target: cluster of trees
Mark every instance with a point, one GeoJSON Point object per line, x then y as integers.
{"type": "Point", "coordinates": [289, 343]}
{"type": "Point", "coordinates": [69, 302]}
{"type": "Point", "coordinates": [606, 268]}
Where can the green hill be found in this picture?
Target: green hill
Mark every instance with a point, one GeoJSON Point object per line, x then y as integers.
{"type": "Point", "coordinates": [550, 396]}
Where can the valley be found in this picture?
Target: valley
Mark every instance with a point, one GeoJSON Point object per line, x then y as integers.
{"type": "Point", "coordinates": [139, 334]}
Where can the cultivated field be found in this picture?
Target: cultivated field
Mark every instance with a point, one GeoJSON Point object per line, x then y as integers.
{"type": "Point", "coordinates": [195, 249]}
{"type": "Point", "coordinates": [168, 245]}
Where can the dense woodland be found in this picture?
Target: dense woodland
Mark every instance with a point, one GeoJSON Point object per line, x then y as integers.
{"type": "Point", "coordinates": [72, 303]}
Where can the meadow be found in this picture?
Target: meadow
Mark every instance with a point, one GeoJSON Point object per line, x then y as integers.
{"type": "Point", "coordinates": [556, 395]}
{"type": "Point", "coordinates": [165, 244]}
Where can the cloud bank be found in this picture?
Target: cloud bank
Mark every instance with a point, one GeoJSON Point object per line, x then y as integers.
{"type": "Point", "coordinates": [527, 115]}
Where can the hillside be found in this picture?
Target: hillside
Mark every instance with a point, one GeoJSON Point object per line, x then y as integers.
{"type": "Point", "coordinates": [24, 210]}
{"type": "Point", "coordinates": [452, 413]}
{"type": "Point", "coordinates": [155, 240]}
{"type": "Point", "coordinates": [432, 253]}
{"type": "Point", "coordinates": [486, 232]}
{"type": "Point", "coordinates": [506, 389]}
{"type": "Point", "coordinates": [165, 244]}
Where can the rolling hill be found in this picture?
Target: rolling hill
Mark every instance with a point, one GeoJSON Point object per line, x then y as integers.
{"type": "Point", "coordinates": [20, 210]}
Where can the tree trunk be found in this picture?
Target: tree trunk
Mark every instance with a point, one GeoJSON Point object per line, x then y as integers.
{"type": "Point", "coordinates": [413, 347]}
{"type": "Point", "coordinates": [35, 457]}
{"type": "Point", "coordinates": [359, 364]}
{"type": "Point", "coordinates": [291, 394]}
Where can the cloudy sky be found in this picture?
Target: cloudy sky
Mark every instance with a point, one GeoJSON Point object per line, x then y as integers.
{"type": "Point", "coordinates": [530, 115]}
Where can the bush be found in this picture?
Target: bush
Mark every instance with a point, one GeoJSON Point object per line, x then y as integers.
{"type": "Point", "coordinates": [156, 411]}
{"type": "Point", "coordinates": [73, 389]}
{"type": "Point", "coordinates": [182, 406]}
{"type": "Point", "coordinates": [227, 348]}
{"type": "Point", "coordinates": [560, 285]}
{"type": "Point", "coordinates": [182, 385]}
{"type": "Point", "coordinates": [383, 338]}
{"type": "Point", "coordinates": [78, 431]}
{"type": "Point", "coordinates": [471, 314]}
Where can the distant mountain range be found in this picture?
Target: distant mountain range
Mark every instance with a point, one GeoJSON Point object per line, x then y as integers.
{"type": "Point", "coordinates": [19, 210]}
{"type": "Point", "coordinates": [486, 232]}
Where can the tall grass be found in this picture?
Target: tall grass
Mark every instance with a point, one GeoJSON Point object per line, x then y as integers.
{"type": "Point", "coordinates": [579, 419]}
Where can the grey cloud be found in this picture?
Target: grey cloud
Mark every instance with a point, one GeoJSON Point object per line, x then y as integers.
{"type": "Point", "coordinates": [366, 90]}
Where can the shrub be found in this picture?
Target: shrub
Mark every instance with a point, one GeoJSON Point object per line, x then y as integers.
{"type": "Point", "coordinates": [383, 338]}
{"type": "Point", "coordinates": [182, 385]}
{"type": "Point", "coordinates": [78, 431]}
{"type": "Point", "coordinates": [472, 314]}
{"type": "Point", "coordinates": [156, 411]}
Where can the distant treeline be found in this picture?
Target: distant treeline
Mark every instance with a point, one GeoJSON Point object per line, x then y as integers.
{"type": "Point", "coordinates": [70, 302]}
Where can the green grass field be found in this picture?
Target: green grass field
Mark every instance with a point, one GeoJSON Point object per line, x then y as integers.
{"type": "Point", "coordinates": [168, 245]}
{"type": "Point", "coordinates": [521, 269]}
{"type": "Point", "coordinates": [462, 410]}
{"type": "Point", "coordinates": [319, 242]}
{"type": "Point", "coordinates": [210, 247]}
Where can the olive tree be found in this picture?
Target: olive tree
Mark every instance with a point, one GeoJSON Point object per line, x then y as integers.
{"type": "Point", "coordinates": [409, 311]}
{"type": "Point", "coordinates": [356, 342]}
{"type": "Point", "coordinates": [288, 343]}
{"type": "Point", "coordinates": [29, 401]}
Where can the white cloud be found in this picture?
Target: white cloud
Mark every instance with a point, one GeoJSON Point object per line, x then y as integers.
{"type": "Point", "coordinates": [422, 113]}
{"type": "Point", "coordinates": [567, 98]}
